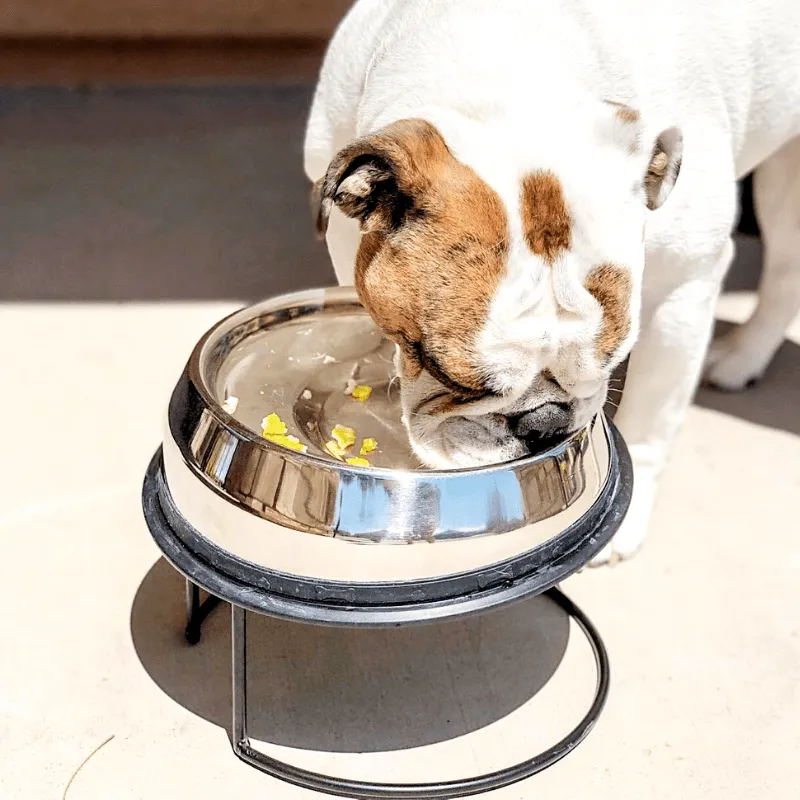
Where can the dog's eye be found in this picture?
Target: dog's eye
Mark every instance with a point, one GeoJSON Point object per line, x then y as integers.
{"type": "Point", "coordinates": [416, 353]}
{"type": "Point", "coordinates": [444, 402]}
{"type": "Point", "coordinates": [461, 393]}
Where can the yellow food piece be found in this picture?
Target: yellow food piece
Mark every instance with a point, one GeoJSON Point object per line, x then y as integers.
{"type": "Point", "coordinates": [273, 425]}
{"type": "Point", "coordinates": [345, 437]}
{"type": "Point", "coordinates": [358, 462]}
{"type": "Point", "coordinates": [334, 449]}
{"type": "Point", "coordinates": [368, 446]}
{"type": "Point", "coordinates": [274, 430]}
{"type": "Point", "coordinates": [362, 393]}
{"type": "Point", "coordinates": [290, 442]}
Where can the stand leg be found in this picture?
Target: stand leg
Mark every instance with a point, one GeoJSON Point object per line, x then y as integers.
{"type": "Point", "coordinates": [239, 675]}
{"type": "Point", "coordinates": [444, 790]}
{"type": "Point", "coordinates": [197, 612]}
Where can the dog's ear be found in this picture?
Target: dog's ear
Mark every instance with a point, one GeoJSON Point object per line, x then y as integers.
{"type": "Point", "coordinates": [362, 186]}
{"type": "Point", "coordinates": [664, 166]}
{"type": "Point", "coordinates": [378, 178]}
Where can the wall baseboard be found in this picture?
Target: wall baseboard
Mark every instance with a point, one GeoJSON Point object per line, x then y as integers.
{"type": "Point", "coordinates": [124, 62]}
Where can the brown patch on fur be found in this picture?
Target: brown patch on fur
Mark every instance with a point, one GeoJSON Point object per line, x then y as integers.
{"type": "Point", "coordinates": [411, 368]}
{"type": "Point", "coordinates": [432, 254]}
{"type": "Point", "coordinates": [546, 220]}
{"type": "Point", "coordinates": [625, 113]}
{"type": "Point", "coordinates": [628, 116]}
{"type": "Point", "coordinates": [610, 284]}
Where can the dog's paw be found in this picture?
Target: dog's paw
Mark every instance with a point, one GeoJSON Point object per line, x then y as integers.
{"type": "Point", "coordinates": [732, 366]}
{"type": "Point", "coordinates": [629, 538]}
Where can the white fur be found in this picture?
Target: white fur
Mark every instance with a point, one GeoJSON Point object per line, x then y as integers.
{"type": "Point", "coordinates": [515, 85]}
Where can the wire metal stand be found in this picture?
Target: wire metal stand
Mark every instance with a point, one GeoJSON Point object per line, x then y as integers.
{"type": "Point", "coordinates": [366, 790]}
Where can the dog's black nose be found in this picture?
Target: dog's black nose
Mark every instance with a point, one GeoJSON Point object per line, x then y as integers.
{"type": "Point", "coordinates": [542, 423]}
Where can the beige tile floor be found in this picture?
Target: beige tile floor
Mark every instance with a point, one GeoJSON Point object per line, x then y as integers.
{"type": "Point", "coordinates": [703, 627]}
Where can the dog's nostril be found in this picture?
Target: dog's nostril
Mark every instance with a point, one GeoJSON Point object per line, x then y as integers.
{"type": "Point", "coordinates": [541, 422]}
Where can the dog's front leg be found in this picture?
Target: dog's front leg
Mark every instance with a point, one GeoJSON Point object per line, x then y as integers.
{"type": "Point", "coordinates": [663, 373]}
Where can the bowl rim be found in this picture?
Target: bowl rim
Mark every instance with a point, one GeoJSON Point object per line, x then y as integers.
{"type": "Point", "coordinates": [319, 297]}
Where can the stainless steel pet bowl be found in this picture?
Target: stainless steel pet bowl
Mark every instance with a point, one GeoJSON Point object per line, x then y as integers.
{"type": "Point", "coordinates": [314, 530]}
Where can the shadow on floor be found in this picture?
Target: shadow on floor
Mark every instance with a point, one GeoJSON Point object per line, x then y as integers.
{"type": "Point", "coordinates": [346, 690]}
{"type": "Point", "coordinates": [156, 194]}
{"type": "Point", "coordinates": [772, 402]}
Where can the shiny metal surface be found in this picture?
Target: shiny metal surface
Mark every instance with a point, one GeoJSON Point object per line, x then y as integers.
{"type": "Point", "coordinates": [295, 512]}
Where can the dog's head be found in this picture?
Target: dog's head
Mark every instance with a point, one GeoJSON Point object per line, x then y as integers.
{"type": "Point", "coordinates": [511, 288]}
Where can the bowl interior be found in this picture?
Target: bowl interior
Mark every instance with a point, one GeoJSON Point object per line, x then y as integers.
{"type": "Point", "coordinates": [303, 367]}
{"type": "Point", "coordinates": [301, 357]}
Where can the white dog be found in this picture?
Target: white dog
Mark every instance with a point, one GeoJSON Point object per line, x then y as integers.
{"type": "Point", "coordinates": [523, 189]}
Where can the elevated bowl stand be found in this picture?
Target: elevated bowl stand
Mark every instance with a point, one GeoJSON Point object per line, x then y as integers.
{"type": "Point", "coordinates": [250, 588]}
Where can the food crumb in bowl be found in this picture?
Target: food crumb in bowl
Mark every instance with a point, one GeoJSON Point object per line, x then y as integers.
{"type": "Point", "coordinates": [334, 449]}
{"type": "Point", "coordinates": [369, 445]}
{"type": "Point", "coordinates": [362, 393]}
{"type": "Point", "coordinates": [274, 430]}
{"type": "Point", "coordinates": [290, 442]}
{"type": "Point", "coordinates": [344, 437]}
{"type": "Point", "coordinates": [273, 425]}
{"type": "Point", "coordinates": [231, 404]}
{"type": "Point", "coordinates": [358, 462]}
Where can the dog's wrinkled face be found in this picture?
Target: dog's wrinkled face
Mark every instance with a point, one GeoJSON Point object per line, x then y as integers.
{"type": "Point", "coordinates": [512, 302]}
